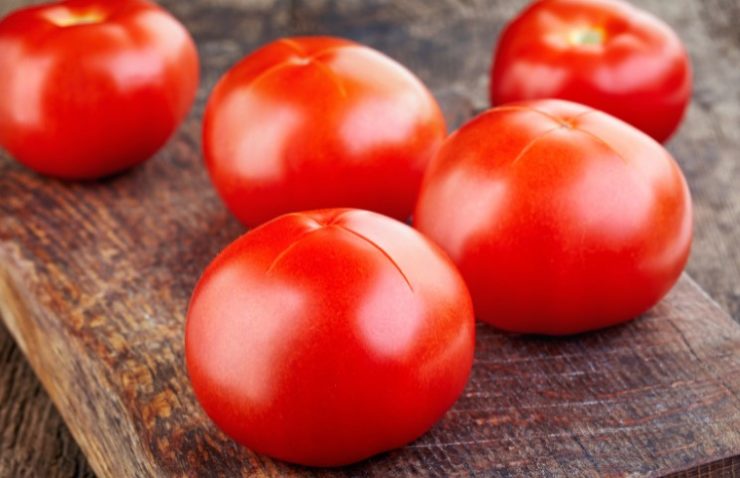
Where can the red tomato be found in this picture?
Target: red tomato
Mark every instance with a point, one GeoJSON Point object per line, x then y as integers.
{"type": "Point", "coordinates": [92, 87]}
{"type": "Point", "coordinates": [307, 123]}
{"type": "Point", "coordinates": [561, 218]}
{"type": "Point", "coordinates": [603, 53]}
{"type": "Point", "coordinates": [323, 338]}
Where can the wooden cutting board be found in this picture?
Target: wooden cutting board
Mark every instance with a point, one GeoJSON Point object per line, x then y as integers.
{"type": "Point", "coordinates": [94, 284]}
{"type": "Point", "coordinates": [95, 279]}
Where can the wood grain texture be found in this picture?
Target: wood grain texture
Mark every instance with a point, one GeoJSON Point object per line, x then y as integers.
{"type": "Point", "coordinates": [103, 271]}
{"type": "Point", "coordinates": [34, 441]}
{"type": "Point", "coordinates": [727, 468]}
{"type": "Point", "coordinates": [655, 396]}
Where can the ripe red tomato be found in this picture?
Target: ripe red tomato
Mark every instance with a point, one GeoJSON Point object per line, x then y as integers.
{"type": "Point", "coordinates": [603, 53]}
{"type": "Point", "coordinates": [323, 338]}
{"type": "Point", "coordinates": [306, 123]}
{"type": "Point", "coordinates": [561, 218]}
{"type": "Point", "coordinates": [92, 87]}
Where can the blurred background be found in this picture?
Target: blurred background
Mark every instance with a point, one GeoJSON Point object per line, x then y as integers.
{"type": "Point", "coordinates": [448, 44]}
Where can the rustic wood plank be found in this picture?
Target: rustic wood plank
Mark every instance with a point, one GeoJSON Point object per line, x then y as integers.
{"type": "Point", "coordinates": [447, 43]}
{"type": "Point", "coordinates": [34, 441]}
{"type": "Point", "coordinates": [95, 281]}
{"type": "Point", "coordinates": [657, 395]}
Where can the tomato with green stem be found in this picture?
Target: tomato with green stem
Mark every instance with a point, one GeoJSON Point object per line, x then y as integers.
{"type": "Point", "coordinates": [603, 53]}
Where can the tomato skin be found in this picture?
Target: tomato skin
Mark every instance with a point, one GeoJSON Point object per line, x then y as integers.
{"type": "Point", "coordinates": [636, 69]}
{"type": "Point", "coordinates": [315, 122]}
{"type": "Point", "coordinates": [562, 219]}
{"type": "Point", "coordinates": [325, 337]}
{"type": "Point", "coordinates": [89, 99]}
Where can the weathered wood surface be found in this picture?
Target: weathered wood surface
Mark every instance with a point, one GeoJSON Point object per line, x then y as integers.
{"type": "Point", "coordinates": [34, 440]}
{"type": "Point", "coordinates": [96, 279]}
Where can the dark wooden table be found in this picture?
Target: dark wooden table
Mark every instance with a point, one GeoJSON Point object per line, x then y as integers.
{"type": "Point", "coordinates": [447, 42]}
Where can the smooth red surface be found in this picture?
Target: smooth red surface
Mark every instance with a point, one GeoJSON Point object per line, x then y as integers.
{"type": "Point", "coordinates": [325, 337]}
{"type": "Point", "coordinates": [639, 72]}
{"type": "Point", "coordinates": [561, 218]}
{"type": "Point", "coordinates": [308, 123]}
{"type": "Point", "coordinates": [92, 87]}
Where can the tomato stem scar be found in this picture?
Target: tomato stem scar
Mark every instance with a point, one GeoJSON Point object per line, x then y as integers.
{"type": "Point", "coordinates": [64, 17]}
{"type": "Point", "coordinates": [587, 36]}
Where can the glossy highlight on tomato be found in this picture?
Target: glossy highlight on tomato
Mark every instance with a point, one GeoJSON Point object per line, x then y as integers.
{"type": "Point", "coordinates": [606, 54]}
{"type": "Point", "coordinates": [325, 337]}
{"type": "Point", "coordinates": [314, 122]}
{"type": "Point", "coordinates": [91, 87]}
{"type": "Point", "coordinates": [561, 218]}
